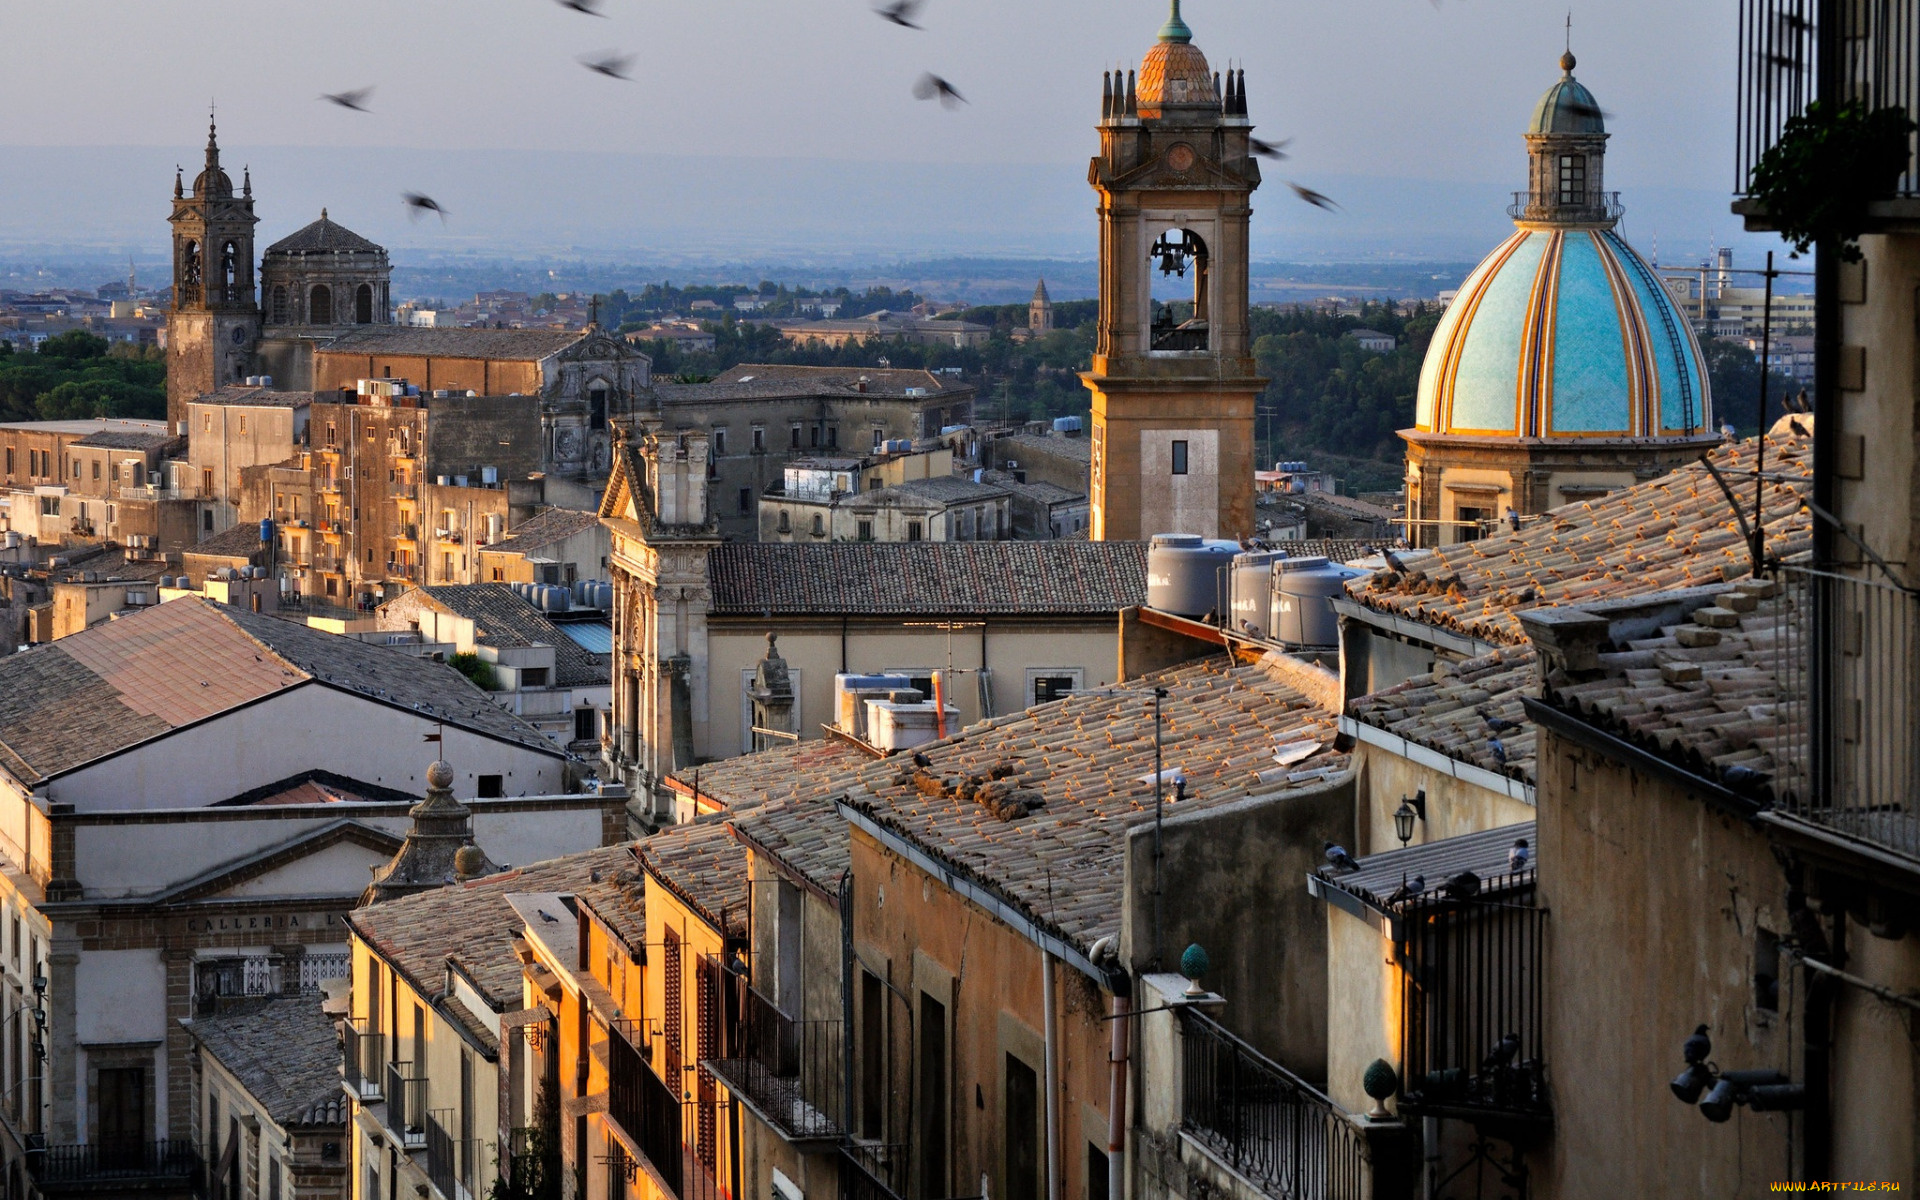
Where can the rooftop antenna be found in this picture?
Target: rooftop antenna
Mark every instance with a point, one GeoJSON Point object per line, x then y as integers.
{"type": "Point", "coordinates": [1569, 46]}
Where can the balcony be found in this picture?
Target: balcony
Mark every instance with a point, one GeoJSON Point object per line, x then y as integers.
{"type": "Point", "coordinates": [873, 1171]}
{"type": "Point", "coordinates": [404, 572]}
{"type": "Point", "coordinates": [452, 1163]}
{"type": "Point", "coordinates": [117, 1166]}
{"type": "Point", "coordinates": [360, 1057]}
{"type": "Point", "coordinates": [1474, 1025]}
{"type": "Point", "coordinates": [1848, 667]}
{"type": "Point", "coordinates": [1263, 1121]}
{"type": "Point", "coordinates": [450, 536]}
{"type": "Point", "coordinates": [791, 1073]}
{"type": "Point", "coordinates": [406, 1094]}
{"type": "Point", "coordinates": [1596, 208]}
{"type": "Point", "coordinates": [658, 1123]}
{"type": "Point", "coordinates": [1873, 63]}
{"type": "Point", "coordinates": [401, 489]}
{"type": "Point", "coordinates": [406, 531]}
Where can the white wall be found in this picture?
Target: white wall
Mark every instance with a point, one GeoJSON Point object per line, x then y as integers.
{"type": "Point", "coordinates": [120, 996]}
{"type": "Point", "coordinates": [306, 727]}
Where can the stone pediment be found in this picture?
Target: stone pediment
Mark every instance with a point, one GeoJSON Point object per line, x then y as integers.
{"type": "Point", "coordinates": [1158, 174]}
{"type": "Point", "coordinates": [332, 860]}
{"type": "Point", "coordinates": [598, 346]}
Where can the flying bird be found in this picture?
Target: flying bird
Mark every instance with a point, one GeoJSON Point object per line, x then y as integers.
{"type": "Point", "coordinates": [1339, 859]}
{"type": "Point", "coordinates": [1518, 856]}
{"type": "Point", "coordinates": [1502, 1052]}
{"type": "Point", "coordinates": [1274, 150]}
{"type": "Point", "coordinates": [901, 12]}
{"type": "Point", "coordinates": [929, 86]}
{"type": "Point", "coordinates": [589, 7]}
{"type": "Point", "coordinates": [1314, 198]}
{"type": "Point", "coordinates": [355, 99]}
{"type": "Point", "coordinates": [1696, 1048]}
{"type": "Point", "coordinates": [417, 204]}
{"type": "Point", "coordinates": [610, 64]}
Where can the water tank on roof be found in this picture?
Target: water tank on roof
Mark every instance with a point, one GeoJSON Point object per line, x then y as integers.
{"type": "Point", "coordinates": [606, 596]}
{"type": "Point", "coordinates": [1066, 424]}
{"type": "Point", "coordinates": [266, 529]}
{"type": "Point", "coordinates": [1303, 594]}
{"type": "Point", "coordinates": [1250, 592]}
{"type": "Point", "coordinates": [489, 476]}
{"type": "Point", "coordinates": [558, 599]}
{"type": "Point", "coordinates": [1184, 573]}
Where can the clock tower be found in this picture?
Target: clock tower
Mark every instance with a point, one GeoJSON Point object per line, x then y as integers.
{"type": "Point", "coordinates": [1173, 376]}
{"type": "Point", "coordinates": [214, 320]}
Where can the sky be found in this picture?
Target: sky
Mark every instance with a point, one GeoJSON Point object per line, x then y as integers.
{"type": "Point", "coordinates": [790, 128]}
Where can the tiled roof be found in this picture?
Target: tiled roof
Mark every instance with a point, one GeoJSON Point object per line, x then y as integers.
{"type": "Point", "coordinates": [1040, 443]}
{"type": "Point", "coordinates": [1081, 769]}
{"type": "Point", "coordinates": [240, 541]}
{"type": "Point", "coordinates": [284, 1052]}
{"type": "Point", "coordinates": [83, 426]}
{"type": "Point", "coordinates": [1713, 704]}
{"type": "Point", "coordinates": [942, 490]}
{"type": "Point", "coordinates": [879, 379]}
{"type": "Point", "coordinates": [324, 237]}
{"type": "Point", "coordinates": [247, 396]}
{"type": "Point", "coordinates": [501, 618]}
{"type": "Point", "coordinates": [544, 528]}
{"type": "Point", "coordinates": [1345, 506]}
{"type": "Point", "coordinates": [1037, 490]}
{"type": "Point", "coordinates": [705, 866]}
{"type": "Point", "coordinates": [780, 800]}
{"type": "Point", "coordinates": [105, 689]}
{"type": "Point", "coordinates": [803, 833]}
{"type": "Point", "coordinates": [473, 924]}
{"type": "Point", "coordinates": [1333, 549]}
{"type": "Point", "coordinates": [1672, 532]}
{"type": "Point", "coordinates": [1450, 709]}
{"type": "Point", "coordinates": [928, 578]}
{"type": "Point", "coordinates": [127, 439]}
{"type": "Point", "coordinates": [522, 345]}
{"type": "Point", "coordinates": [1484, 852]}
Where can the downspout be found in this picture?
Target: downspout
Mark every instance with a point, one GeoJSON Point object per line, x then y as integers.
{"type": "Point", "coordinates": [1121, 1020]}
{"type": "Point", "coordinates": [1053, 1077]}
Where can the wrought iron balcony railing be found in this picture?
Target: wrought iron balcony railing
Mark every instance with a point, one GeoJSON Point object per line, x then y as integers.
{"type": "Point", "coordinates": [873, 1171]}
{"type": "Point", "coordinates": [1873, 47]}
{"type": "Point", "coordinates": [362, 1054]}
{"type": "Point", "coordinates": [1595, 207]}
{"type": "Point", "coordinates": [1267, 1123]}
{"type": "Point", "coordinates": [452, 1163]}
{"type": "Point", "coordinates": [791, 1071]}
{"type": "Point", "coordinates": [406, 1095]}
{"type": "Point", "coordinates": [122, 1161]}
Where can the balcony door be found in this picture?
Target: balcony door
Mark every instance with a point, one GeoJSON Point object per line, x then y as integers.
{"type": "Point", "coordinates": [123, 1125]}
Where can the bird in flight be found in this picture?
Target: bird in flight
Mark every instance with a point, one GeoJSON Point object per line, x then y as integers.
{"type": "Point", "coordinates": [1274, 150]}
{"type": "Point", "coordinates": [929, 85]}
{"type": "Point", "coordinates": [355, 100]}
{"type": "Point", "coordinates": [589, 7]}
{"type": "Point", "coordinates": [1314, 198]}
{"type": "Point", "coordinates": [417, 204]}
{"type": "Point", "coordinates": [610, 64]}
{"type": "Point", "coordinates": [901, 12]}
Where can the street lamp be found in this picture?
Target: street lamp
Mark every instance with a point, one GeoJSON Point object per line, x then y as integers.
{"type": "Point", "coordinates": [1403, 817]}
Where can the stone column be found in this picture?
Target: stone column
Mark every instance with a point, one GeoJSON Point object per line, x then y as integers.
{"type": "Point", "coordinates": [62, 1067]}
{"type": "Point", "coordinates": [177, 961]}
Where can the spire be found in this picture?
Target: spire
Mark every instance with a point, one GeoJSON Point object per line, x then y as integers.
{"type": "Point", "coordinates": [246, 186]}
{"type": "Point", "coordinates": [213, 142]}
{"type": "Point", "coordinates": [1133, 96]}
{"type": "Point", "coordinates": [179, 187]}
{"type": "Point", "coordinates": [1175, 30]}
{"type": "Point", "coordinates": [1106, 94]}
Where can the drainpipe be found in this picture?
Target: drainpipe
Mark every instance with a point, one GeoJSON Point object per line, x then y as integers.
{"type": "Point", "coordinates": [1120, 1018]}
{"type": "Point", "coordinates": [1053, 1076]}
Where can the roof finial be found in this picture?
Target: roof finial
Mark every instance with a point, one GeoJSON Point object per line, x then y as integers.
{"type": "Point", "coordinates": [323, 212]}
{"type": "Point", "coordinates": [213, 143]}
{"type": "Point", "coordinates": [1566, 59]}
{"type": "Point", "coordinates": [246, 174]}
{"type": "Point", "coordinates": [1175, 30]}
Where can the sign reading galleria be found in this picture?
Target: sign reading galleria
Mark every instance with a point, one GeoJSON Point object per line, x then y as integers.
{"type": "Point", "coordinates": [262, 921]}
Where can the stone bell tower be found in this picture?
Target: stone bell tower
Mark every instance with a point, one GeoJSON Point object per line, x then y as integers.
{"type": "Point", "coordinates": [1173, 376]}
{"type": "Point", "coordinates": [214, 321]}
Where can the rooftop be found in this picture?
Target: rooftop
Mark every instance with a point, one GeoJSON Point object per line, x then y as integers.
{"type": "Point", "coordinates": [240, 541]}
{"type": "Point", "coordinates": [938, 489]}
{"type": "Point", "coordinates": [751, 381]}
{"type": "Point", "coordinates": [526, 345]}
{"type": "Point", "coordinates": [111, 687]}
{"type": "Point", "coordinates": [704, 865]}
{"type": "Point", "coordinates": [1484, 852]}
{"type": "Point", "coordinates": [545, 528]}
{"type": "Point", "coordinates": [243, 395]}
{"type": "Point", "coordinates": [127, 439]}
{"type": "Point", "coordinates": [1452, 711]}
{"type": "Point", "coordinates": [1039, 443]}
{"type": "Point", "coordinates": [501, 618]}
{"type": "Point", "coordinates": [324, 237]}
{"type": "Point", "coordinates": [880, 379]}
{"type": "Point", "coordinates": [83, 428]}
{"type": "Point", "coordinates": [286, 1054]}
{"type": "Point", "coordinates": [1673, 532]}
{"type": "Point", "coordinates": [928, 578]}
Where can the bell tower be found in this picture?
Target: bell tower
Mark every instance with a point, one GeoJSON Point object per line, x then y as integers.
{"type": "Point", "coordinates": [214, 321]}
{"type": "Point", "coordinates": [1173, 376]}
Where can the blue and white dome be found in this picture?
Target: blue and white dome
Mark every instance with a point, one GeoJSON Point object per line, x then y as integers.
{"type": "Point", "coordinates": [1564, 332]}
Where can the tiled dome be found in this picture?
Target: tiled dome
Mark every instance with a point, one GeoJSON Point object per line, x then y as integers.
{"type": "Point", "coordinates": [1564, 333]}
{"type": "Point", "coordinates": [1567, 107]}
{"type": "Point", "coordinates": [1175, 72]}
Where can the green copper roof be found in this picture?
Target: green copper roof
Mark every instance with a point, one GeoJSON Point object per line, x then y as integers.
{"type": "Point", "coordinates": [1175, 30]}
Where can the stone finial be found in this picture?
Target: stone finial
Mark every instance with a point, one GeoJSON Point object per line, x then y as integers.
{"type": "Point", "coordinates": [439, 776]}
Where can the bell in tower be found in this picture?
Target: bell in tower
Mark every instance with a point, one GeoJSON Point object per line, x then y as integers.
{"type": "Point", "coordinates": [1173, 376]}
{"type": "Point", "coordinates": [214, 320]}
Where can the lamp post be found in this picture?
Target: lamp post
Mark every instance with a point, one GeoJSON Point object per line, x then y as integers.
{"type": "Point", "coordinates": [1403, 817]}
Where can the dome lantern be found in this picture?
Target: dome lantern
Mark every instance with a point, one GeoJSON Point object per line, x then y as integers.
{"type": "Point", "coordinates": [1566, 153]}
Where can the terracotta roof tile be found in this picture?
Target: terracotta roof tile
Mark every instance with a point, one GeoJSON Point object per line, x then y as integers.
{"type": "Point", "coordinates": [284, 1051]}
{"type": "Point", "coordinates": [1449, 710]}
{"type": "Point", "coordinates": [928, 578]}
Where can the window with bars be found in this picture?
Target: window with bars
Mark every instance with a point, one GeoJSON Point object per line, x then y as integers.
{"type": "Point", "coordinates": [1573, 179]}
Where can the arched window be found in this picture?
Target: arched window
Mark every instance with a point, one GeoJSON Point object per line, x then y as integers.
{"type": "Point", "coordinates": [786, 524]}
{"type": "Point", "coordinates": [320, 305]}
{"type": "Point", "coordinates": [230, 272]}
{"type": "Point", "coordinates": [819, 526]}
{"type": "Point", "coordinates": [280, 304]}
{"type": "Point", "coordinates": [363, 305]}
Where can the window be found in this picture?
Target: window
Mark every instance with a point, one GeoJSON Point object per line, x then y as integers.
{"type": "Point", "coordinates": [123, 1105]}
{"type": "Point", "coordinates": [533, 677]}
{"type": "Point", "coordinates": [819, 525]}
{"type": "Point", "coordinates": [1180, 458]}
{"type": "Point", "coordinates": [206, 521]}
{"type": "Point", "coordinates": [14, 922]}
{"type": "Point", "coordinates": [1021, 1116]}
{"type": "Point", "coordinates": [96, 469]}
{"type": "Point", "coordinates": [584, 725]}
{"type": "Point", "coordinates": [243, 425]}
{"type": "Point", "coordinates": [9, 460]}
{"type": "Point", "coordinates": [719, 442]}
{"type": "Point", "coordinates": [793, 438]}
{"type": "Point", "coordinates": [833, 437]}
{"type": "Point", "coordinates": [759, 438]}
{"type": "Point", "coordinates": [499, 575]}
{"type": "Point", "coordinates": [866, 531]}
{"type": "Point", "coordinates": [786, 525]}
{"type": "Point", "coordinates": [1766, 970]}
{"type": "Point", "coordinates": [746, 500]}
{"type": "Point", "coordinates": [1048, 688]}
{"type": "Point", "coordinates": [320, 306]}
{"type": "Point", "coordinates": [76, 468]}
{"type": "Point", "coordinates": [879, 435]}
{"type": "Point", "coordinates": [597, 408]}
{"type": "Point", "coordinates": [206, 422]}
{"type": "Point", "coordinates": [873, 1062]}
{"type": "Point", "coordinates": [491, 787]}
{"type": "Point", "coordinates": [363, 304]}
{"type": "Point", "coordinates": [913, 531]}
{"type": "Point", "coordinates": [1573, 179]}
{"type": "Point", "coordinates": [813, 437]}
{"type": "Point", "coordinates": [932, 1099]}
{"type": "Point", "coordinates": [280, 305]}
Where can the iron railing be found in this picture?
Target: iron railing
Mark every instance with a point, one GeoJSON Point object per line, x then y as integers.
{"type": "Point", "coordinates": [406, 1095]}
{"type": "Point", "coordinates": [1474, 1024]}
{"type": "Point", "coordinates": [660, 1124]}
{"type": "Point", "coordinates": [1266, 1122]}
{"type": "Point", "coordinates": [117, 1159]}
{"type": "Point", "coordinates": [873, 1171]}
{"type": "Point", "coordinates": [791, 1071]}
{"type": "Point", "coordinates": [361, 1054]}
{"type": "Point", "coordinates": [1875, 56]}
{"type": "Point", "coordinates": [452, 1163]}
{"type": "Point", "coordinates": [1847, 657]}
{"type": "Point", "coordinates": [1569, 206]}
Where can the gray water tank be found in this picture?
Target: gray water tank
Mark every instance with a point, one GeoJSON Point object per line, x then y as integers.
{"type": "Point", "coordinates": [1184, 573]}
{"type": "Point", "coordinates": [1250, 592]}
{"type": "Point", "coordinates": [1303, 593]}
{"type": "Point", "coordinates": [559, 599]}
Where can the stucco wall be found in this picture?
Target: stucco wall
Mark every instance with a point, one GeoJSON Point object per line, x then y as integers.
{"type": "Point", "coordinates": [1454, 806]}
